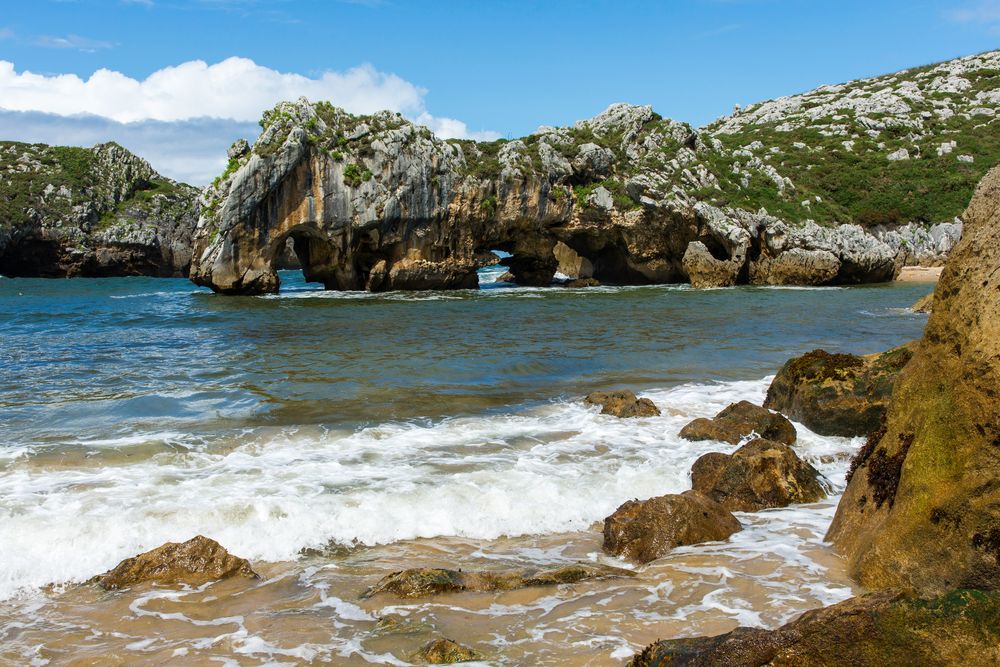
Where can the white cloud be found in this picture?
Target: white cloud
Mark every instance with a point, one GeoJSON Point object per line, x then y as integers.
{"type": "Point", "coordinates": [72, 42]}
{"type": "Point", "coordinates": [188, 99]}
{"type": "Point", "coordinates": [984, 12]}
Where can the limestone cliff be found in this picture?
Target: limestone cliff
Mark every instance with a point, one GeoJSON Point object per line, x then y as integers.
{"type": "Point", "coordinates": [90, 212]}
{"type": "Point", "coordinates": [840, 185]}
{"type": "Point", "coordinates": [922, 509]}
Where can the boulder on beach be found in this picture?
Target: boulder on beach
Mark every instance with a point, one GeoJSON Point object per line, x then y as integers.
{"type": "Point", "coordinates": [425, 582]}
{"type": "Point", "coordinates": [921, 511]}
{"type": "Point", "coordinates": [194, 562]}
{"type": "Point", "coordinates": [738, 421]}
{"type": "Point", "coordinates": [622, 404]}
{"type": "Point", "coordinates": [875, 630]}
{"type": "Point", "coordinates": [758, 475]}
{"type": "Point", "coordinates": [837, 394]}
{"type": "Point", "coordinates": [446, 652]}
{"type": "Point", "coordinates": [644, 530]}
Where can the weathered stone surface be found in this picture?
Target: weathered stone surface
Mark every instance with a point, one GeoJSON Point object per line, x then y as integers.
{"type": "Point", "coordinates": [922, 508]}
{"type": "Point", "coordinates": [704, 270]}
{"type": "Point", "coordinates": [194, 562]}
{"type": "Point", "coordinates": [837, 394]}
{"type": "Point", "coordinates": [758, 475]}
{"type": "Point", "coordinates": [644, 530]}
{"type": "Point", "coordinates": [94, 212]}
{"type": "Point", "coordinates": [924, 304]}
{"type": "Point", "coordinates": [795, 266]}
{"type": "Point", "coordinates": [622, 404]}
{"type": "Point", "coordinates": [582, 282]}
{"type": "Point", "coordinates": [739, 420]}
{"type": "Point", "coordinates": [874, 630]}
{"type": "Point", "coordinates": [425, 582]}
{"type": "Point", "coordinates": [446, 652]}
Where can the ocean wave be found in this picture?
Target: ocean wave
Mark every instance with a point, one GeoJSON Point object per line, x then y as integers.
{"type": "Point", "coordinates": [556, 468]}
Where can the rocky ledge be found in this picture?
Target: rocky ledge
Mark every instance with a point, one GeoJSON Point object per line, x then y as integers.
{"type": "Point", "coordinates": [834, 186]}
{"type": "Point", "coordinates": [98, 211]}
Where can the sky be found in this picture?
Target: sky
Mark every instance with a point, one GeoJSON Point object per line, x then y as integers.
{"type": "Point", "coordinates": [178, 80]}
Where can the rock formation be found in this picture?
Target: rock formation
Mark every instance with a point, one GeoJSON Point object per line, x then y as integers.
{"type": "Point", "coordinates": [779, 193]}
{"type": "Point", "coordinates": [425, 582]}
{"type": "Point", "coordinates": [875, 630]}
{"type": "Point", "coordinates": [758, 475]}
{"type": "Point", "coordinates": [924, 304]}
{"type": "Point", "coordinates": [922, 509]}
{"type": "Point", "coordinates": [739, 420]}
{"type": "Point", "coordinates": [193, 562]}
{"type": "Point", "coordinates": [837, 394]}
{"type": "Point", "coordinates": [644, 530]}
{"type": "Point", "coordinates": [622, 404]}
{"type": "Point", "coordinates": [91, 212]}
{"type": "Point", "coordinates": [446, 652]}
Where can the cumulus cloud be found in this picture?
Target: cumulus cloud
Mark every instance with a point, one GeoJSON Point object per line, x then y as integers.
{"type": "Point", "coordinates": [161, 116]}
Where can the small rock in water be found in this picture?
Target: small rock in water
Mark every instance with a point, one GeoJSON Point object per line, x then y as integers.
{"type": "Point", "coordinates": [425, 582]}
{"type": "Point", "coordinates": [644, 530]}
{"type": "Point", "coordinates": [758, 475]}
{"type": "Point", "coordinates": [446, 652]}
{"type": "Point", "coordinates": [583, 282]}
{"type": "Point", "coordinates": [924, 304]}
{"type": "Point", "coordinates": [623, 404]}
{"type": "Point", "coordinates": [738, 421]}
{"type": "Point", "coordinates": [194, 562]}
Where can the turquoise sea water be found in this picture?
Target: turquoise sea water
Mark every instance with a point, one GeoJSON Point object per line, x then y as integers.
{"type": "Point", "coordinates": [333, 438]}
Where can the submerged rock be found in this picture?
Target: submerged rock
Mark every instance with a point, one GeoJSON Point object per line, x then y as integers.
{"type": "Point", "coordinates": [582, 282]}
{"type": "Point", "coordinates": [446, 652]}
{"type": "Point", "coordinates": [644, 530]}
{"type": "Point", "coordinates": [922, 508]}
{"type": "Point", "coordinates": [874, 630]}
{"type": "Point", "coordinates": [425, 582]}
{"type": "Point", "coordinates": [758, 475]}
{"type": "Point", "coordinates": [837, 394]}
{"type": "Point", "coordinates": [622, 404]}
{"type": "Point", "coordinates": [739, 420]}
{"type": "Point", "coordinates": [194, 562]}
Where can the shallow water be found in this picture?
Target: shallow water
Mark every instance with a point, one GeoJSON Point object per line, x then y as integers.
{"type": "Point", "coordinates": [336, 437]}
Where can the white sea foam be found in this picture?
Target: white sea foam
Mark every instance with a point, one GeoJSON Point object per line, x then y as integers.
{"type": "Point", "coordinates": [555, 468]}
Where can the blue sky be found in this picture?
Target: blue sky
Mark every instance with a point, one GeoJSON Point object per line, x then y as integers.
{"type": "Point", "coordinates": [465, 68]}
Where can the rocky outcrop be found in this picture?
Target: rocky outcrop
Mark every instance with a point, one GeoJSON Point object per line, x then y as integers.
{"type": "Point", "coordinates": [194, 562]}
{"type": "Point", "coordinates": [91, 212]}
{"type": "Point", "coordinates": [924, 304]}
{"type": "Point", "coordinates": [875, 630]}
{"type": "Point", "coordinates": [622, 404]}
{"type": "Point", "coordinates": [644, 530]}
{"type": "Point", "coordinates": [774, 194]}
{"type": "Point", "coordinates": [922, 508]}
{"type": "Point", "coordinates": [739, 420]}
{"type": "Point", "coordinates": [758, 475]}
{"type": "Point", "coordinates": [837, 394]}
{"type": "Point", "coordinates": [425, 582]}
{"type": "Point", "coordinates": [446, 652]}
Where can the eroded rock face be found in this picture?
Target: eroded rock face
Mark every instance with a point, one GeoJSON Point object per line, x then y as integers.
{"type": "Point", "coordinates": [739, 420]}
{"type": "Point", "coordinates": [644, 530]}
{"type": "Point", "coordinates": [837, 394]}
{"type": "Point", "coordinates": [91, 212]}
{"type": "Point", "coordinates": [874, 630]}
{"type": "Point", "coordinates": [922, 509]}
{"type": "Point", "coordinates": [446, 652]}
{"type": "Point", "coordinates": [622, 404]}
{"type": "Point", "coordinates": [425, 582]}
{"type": "Point", "coordinates": [194, 562]}
{"type": "Point", "coordinates": [758, 475]}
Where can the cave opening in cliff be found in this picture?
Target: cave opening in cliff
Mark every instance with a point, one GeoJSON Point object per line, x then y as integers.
{"type": "Point", "coordinates": [296, 258]}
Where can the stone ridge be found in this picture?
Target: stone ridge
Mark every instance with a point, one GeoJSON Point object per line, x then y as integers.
{"type": "Point", "coordinates": [771, 195]}
{"type": "Point", "coordinates": [100, 211]}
